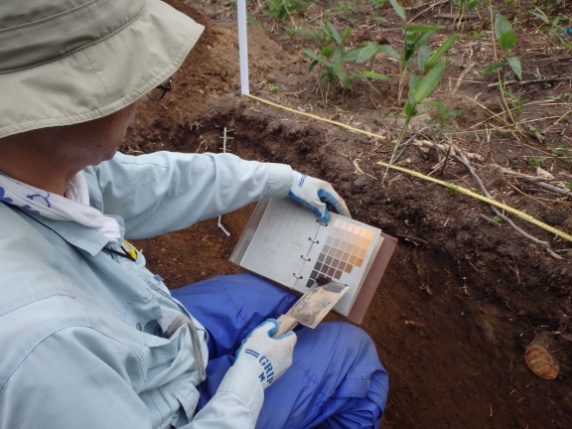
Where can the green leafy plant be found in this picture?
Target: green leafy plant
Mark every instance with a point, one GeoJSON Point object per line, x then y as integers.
{"type": "Point", "coordinates": [463, 6]}
{"type": "Point", "coordinates": [420, 88]}
{"type": "Point", "coordinates": [562, 150]}
{"type": "Point", "coordinates": [554, 27]}
{"type": "Point", "coordinates": [283, 9]}
{"type": "Point", "coordinates": [423, 67]}
{"type": "Point", "coordinates": [506, 39]}
{"type": "Point", "coordinates": [345, 9]}
{"type": "Point", "coordinates": [399, 10]}
{"type": "Point", "coordinates": [416, 59]}
{"type": "Point", "coordinates": [333, 56]}
{"type": "Point", "coordinates": [377, 6]}
{"type": "Point", "coordinates": [441, 115]}
{"type": "Point", "coordinates": [536, 161]}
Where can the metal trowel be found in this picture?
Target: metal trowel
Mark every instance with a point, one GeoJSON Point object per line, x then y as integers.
{"type": "Point", "coordinates": [312, 307]}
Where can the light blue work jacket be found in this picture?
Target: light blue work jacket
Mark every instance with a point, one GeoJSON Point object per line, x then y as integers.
{"type": "Point", "coordinates": [81, 340]}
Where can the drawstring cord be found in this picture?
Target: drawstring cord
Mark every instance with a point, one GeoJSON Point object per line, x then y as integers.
{"type": "Point", "coordinates": [176, 324]}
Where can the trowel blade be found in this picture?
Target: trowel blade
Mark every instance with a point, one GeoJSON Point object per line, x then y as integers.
{"type": "Point", "coordinates": [313, 306]}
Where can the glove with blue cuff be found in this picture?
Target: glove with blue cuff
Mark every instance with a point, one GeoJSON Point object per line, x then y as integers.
{"type": "Point", "coordinates": [317, 195]}
{"type": "Point", "coordinates": [267, 357]}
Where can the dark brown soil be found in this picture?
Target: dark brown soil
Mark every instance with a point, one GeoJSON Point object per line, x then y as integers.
{"type": "Point", "coordinates": [464, 294]}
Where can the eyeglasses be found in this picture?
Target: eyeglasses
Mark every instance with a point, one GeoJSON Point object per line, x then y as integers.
{"type": "Point", "coordinates": [157, 93]}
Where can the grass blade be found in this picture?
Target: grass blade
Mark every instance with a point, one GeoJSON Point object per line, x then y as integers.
{"type": "Point", "coordinates": [399, 10]}
{"type": "Point", "coordinates": [428, 82]}
{"type": "Point", "coordinates": [514, 64]}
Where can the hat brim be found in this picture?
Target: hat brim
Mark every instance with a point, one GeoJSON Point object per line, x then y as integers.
{"type": "Point", "coordinates": [102, 78]}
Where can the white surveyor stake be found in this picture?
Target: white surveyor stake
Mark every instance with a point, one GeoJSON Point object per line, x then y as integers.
{"type": "Point", "coordinates": [243, 47]}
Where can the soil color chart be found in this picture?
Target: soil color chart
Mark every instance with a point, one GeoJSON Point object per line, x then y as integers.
{"type": "Point", "coordinates": [345, 248]}
{"type": "Point", "coordinates": [286, 244]}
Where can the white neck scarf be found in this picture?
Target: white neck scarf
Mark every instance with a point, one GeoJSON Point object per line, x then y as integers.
{"type": "Point", "coordinates": [74, 207]}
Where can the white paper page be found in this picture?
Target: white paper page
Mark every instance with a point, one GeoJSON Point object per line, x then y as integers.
{"type": "Point", "coordinates": [280, 241]}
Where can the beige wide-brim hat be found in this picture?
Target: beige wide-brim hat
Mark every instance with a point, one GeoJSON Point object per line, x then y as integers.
{"type": "Point", "coordinates": [64, 62]}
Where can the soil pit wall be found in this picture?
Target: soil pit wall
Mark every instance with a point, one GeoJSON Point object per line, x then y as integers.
{"type": "Point", "coordinates": [451, 327]}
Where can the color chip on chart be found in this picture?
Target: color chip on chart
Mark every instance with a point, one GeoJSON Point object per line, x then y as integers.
{"type": "Point", "coordinates": [345, 249]}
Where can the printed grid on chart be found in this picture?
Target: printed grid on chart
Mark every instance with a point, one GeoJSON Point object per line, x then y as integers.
{"type": "Point", "coordinates": [344, 250]}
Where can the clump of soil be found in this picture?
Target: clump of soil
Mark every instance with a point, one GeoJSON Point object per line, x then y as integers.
{"type": "Point", "coordinates": [464, 294]}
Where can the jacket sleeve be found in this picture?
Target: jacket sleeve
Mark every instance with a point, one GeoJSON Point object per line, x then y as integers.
{"type": "Point", "coordinates": [166, 191]}
{"type": "Point", "coordinates": [236, 403]}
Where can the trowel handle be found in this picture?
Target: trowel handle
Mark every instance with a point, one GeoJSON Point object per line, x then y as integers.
{"type": "Point", "coordinates": [285, 324]}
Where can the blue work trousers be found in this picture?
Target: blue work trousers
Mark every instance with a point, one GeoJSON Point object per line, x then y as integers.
{"type": "Point", "coordinates": [336, 379]}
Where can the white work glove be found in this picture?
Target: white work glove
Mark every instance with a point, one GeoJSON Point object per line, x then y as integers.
{"type": "Point", "coordinates": [317, 195]}
{"type": "Point", "coordinates": [267, 357]}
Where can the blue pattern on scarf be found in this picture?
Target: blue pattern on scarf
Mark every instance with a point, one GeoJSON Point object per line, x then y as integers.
{"type": "Point", "coordinates": [3, 198]}
{"type": "Point", "coordinates": [46, 198]}
{"type": "Point", "coordinates": [27, 207]}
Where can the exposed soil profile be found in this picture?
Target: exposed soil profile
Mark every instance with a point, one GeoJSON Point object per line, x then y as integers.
{"type": "Point", "coordinates": [464, 294]}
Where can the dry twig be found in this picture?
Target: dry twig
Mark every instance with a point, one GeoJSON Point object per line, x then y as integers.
{"type": "Point", "coordinates": [454, 16]}
{"type": "Point", "coordinates": [537, 180]}
{"type": "Point", "coordinates": [426, 10]}
{"type": "Point", "coordinates": [463, 159]}
{"type": "Point", "coordinates": [532, 81]}
{"type": "Point", "coordinates": [405, 144]}
{"type": "Point", "coordinates": [463, 75]}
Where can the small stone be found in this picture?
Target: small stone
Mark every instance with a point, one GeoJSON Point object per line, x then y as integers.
{"type": "Point", "coordinates": [542, 356]}
{"type": "Point", "coordinates": [363, 182]}
{"type": "Point", "coordinates": [567, 225]}
{"type": "Point", "coordinates": [555, 217]}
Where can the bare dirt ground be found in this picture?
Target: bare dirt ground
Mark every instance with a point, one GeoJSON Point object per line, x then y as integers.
{"type": "Point", "coordinates": [464, 294]}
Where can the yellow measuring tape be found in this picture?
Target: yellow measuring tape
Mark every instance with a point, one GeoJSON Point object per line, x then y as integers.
{"type": "Point", "coordinates": [449, 185]}
{"type": "Point", "coordinates": [319, 118]}
{"type": "Point", "coordinates": [480, 197]}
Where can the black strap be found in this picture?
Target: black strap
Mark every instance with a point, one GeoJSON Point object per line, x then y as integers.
{"type": "Point", "coordinates": [123, 253]}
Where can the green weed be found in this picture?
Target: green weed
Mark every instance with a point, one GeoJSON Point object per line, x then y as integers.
{"type": "Point", "coordinates": [345, 9]}
{"type": "Point", "coordinates": [553, 24]}
{"type": "Point", "coordinates": [536, 161]}
{"type": "Point", "coordinates": [423, 67]}
{"type": "Point", "coordinates": [377, 6]}
{"type": "Point", "coordinates": [465, 5]}
{"type": "Point", "coordinates": [506, 40]}
{"type": "Point", "coordinates": [333, 56]}
{"type": "Point", "coordinates": [441, 115]}
{"type": "Point", "coordinates": [283, 9]}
